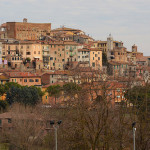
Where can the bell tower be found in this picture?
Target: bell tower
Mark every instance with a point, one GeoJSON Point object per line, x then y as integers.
{"type": "Point", "coordinates": [109, 46]}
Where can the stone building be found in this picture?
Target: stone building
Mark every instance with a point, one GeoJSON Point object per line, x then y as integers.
{"type": "Point", "coordinates": [18, 52]}
{"type": "Point", "coordinates": [27, 31]}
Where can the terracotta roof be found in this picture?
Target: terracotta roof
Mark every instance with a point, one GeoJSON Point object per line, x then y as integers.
{"type": "Point", "coordinates": [3, 25]}
{"type": "Point", "coordinates": [144, 58]}
{"type": "Point", "coordinates": [117, 62]}
{"type": "Point", "coordinates": [95, 49]}
{"type": "Point", "coordinates": [64, 29]}
{"type": "Point", "coordinates": [21, 75]}
{"type": "Point", "coordinates": [61, 72]}
{"type": "Point", "coordinates": [70, 43]}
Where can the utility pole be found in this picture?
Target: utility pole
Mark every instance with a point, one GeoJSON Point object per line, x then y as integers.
{"type": "Point", "coordinates": [55, 138]}
{"type": "Point", "coordinates": [134, 129]}
{"type": "Point", "coordinates": [52, 122]}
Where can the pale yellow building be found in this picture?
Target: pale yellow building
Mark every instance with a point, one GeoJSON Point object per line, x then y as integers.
{"type": "Point", "coordinates": [96, 58]}
{"type": "Point", "coordinates": [16, 52]}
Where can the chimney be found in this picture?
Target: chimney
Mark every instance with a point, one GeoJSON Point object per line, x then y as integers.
{"type": "Point", "coordinates": [25, 20]}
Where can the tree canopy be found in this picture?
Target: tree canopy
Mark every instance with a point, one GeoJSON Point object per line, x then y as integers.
{"type": "Point", "coordinates": [23, 95]}
{"type": "Point", "coordinates": [54, 90]}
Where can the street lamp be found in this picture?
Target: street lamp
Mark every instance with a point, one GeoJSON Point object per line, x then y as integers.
{"type": "Point", "coordinates": [134, 129]}
{"type": "Point", "coordinates": [55, 126]}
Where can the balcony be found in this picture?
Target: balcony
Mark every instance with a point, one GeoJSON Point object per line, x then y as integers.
{"type": "Point", "coordinates": [46, 55]}
{"type": "Point", "coordinates": [45, 50]}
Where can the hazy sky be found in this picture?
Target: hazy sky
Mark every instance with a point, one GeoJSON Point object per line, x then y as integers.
{"type": "Point", "coordinates": [126, 20]}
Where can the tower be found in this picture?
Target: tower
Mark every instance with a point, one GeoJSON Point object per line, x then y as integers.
{"type": "Point", "coordinates": [109, 46]}
{"type": "Point", "coordinates": [134, 48]}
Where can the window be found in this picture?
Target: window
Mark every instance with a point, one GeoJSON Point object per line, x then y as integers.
{"type": "Point", "coordinates": [95, 55]}
{"type": "Point", "coordinates": [63, 60]}
{"type": "Point", "coordinates": [46, 97]}
{"type": "Point", "coordinates": [93, 64]}
{"type": "Point", "coordinates": [8, 52]}
{"type": "Point", "coordinates": [93, 52]}
{"type": "Point", "coordinates": [98, 52]}
{"type": "Point", "coordinates": [20, 80]}
{"type": "Point", "coordinates": [112, 53]}
{"type": "Point", "coordinates": [60, 55]}
{"type": "Point", "coordinates": [36, 80]}
{"type": "Point", "coordinates": [55, 58]}
{"type": "Point", "coordinates": [0, 122]}
{"type": "Point", "coordinates": [51, 58]}
{"type": "Point", "coordinates": [12, 80]}
{"type": "Point", "coordinates": [31, 80]}
{"type": "Point", "coordinates": [93, 58]}
{"type": "Point", "coordinates": [58, 49]}
{"type": "Point", "coordinates": [25, 80]}
{"type": "Point", "coordinates": [55, 52]}
{"type": "Point", "coordinates": [28, 53]}
{"type": "Point", "coordinates": [98, 58]}
{"type": "Point", "coordinates": [34, 52]}
{"type": "Point", "coordinates": [39, 52]}
{"type": "Point", "coordinates": [9, 120]}
{"type": "Point", "coordinates": [53, 64]}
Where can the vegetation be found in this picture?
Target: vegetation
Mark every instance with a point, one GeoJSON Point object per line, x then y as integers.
{"type": "Point", "coordinates": [91, 122]}
{"type": "Point", "coordinates": [54, 90]}
{"type": "Point", "coordinates": [23, 95]}
{"type": "Point", "coordinates": [104, 59]}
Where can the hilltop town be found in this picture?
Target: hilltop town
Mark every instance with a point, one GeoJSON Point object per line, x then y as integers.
{"type": "Point", "coordinates": [34, 54]}
{"type": "Point", "coordinates": [98, 89]}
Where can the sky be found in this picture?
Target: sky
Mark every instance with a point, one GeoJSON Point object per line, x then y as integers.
{"type": "Point", "coordinates": [126, 20]}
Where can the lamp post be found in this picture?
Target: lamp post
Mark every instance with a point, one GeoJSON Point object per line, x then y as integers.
{"type": "Point", "coordinates": [134, 129]}
{"type": "Point", "coordinates": [55, 126]}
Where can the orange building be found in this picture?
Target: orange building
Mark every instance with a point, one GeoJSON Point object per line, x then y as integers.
{"type": "Point", "coordinates": [27, 31]}
{"type": "Point", "coordinates": [24, 78]}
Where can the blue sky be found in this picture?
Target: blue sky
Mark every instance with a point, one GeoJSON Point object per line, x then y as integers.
{"type": "Point", "coordinates": [126, 20]}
